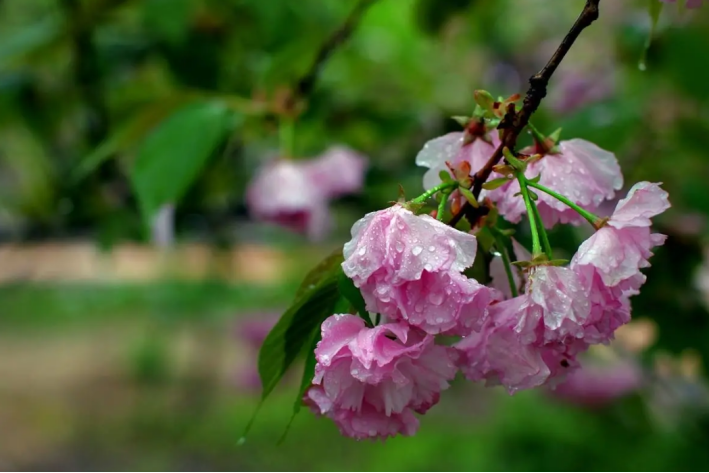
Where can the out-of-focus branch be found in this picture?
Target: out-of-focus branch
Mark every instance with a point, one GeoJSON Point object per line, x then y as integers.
{"type": "Point", "coordinates": [305, 85]}
{"type": "Point", "coordinates": [514, 122]}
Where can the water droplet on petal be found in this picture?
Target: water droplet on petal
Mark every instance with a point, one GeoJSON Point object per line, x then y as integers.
{"type": "Point", "coordinates": [435, 298]}
{"type": "Point", "coordinates": [416, 250]}
{"type": "Point", "coordinates": [399, 246]}
{"type": "Point", "coordinates": [428, 267]}
{"type": "Point", "coordinates": [362, 251]}
{"type": "Point", "coordinates": [431, 248]}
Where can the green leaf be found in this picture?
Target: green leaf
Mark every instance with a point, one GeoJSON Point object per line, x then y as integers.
{"type": "Point", "coordinates": [536, 179]}
{"type": "Point", "coordinates": [296, 326]}
{"type": "Point", "coordinates": [495, 183]}
{"type": "Point", "coordinates": [326, 268]}
{"type": "Point", "coordinates": [128, 134]}
{"type": "Point", "coordinates": [305, 381]}
{"type": "Point", "coordinates": [168, 19]}
{"type": "Point", "coordinates": [486, 239]}
{"type": "Point", "coordinates": [461, 120]}
{"type": "Point", "coordinates": [445, 176]}
{"type": "Point", "coordinates": [485, 100]}
{"type": "Point", "coordinates": [171, 157]}
{"type": "Point", "coordinates": [654, 7]}
{"type": "Point", "coordinates": [350, 292]}
{"type": "Point", "coordinates": [469, 196]}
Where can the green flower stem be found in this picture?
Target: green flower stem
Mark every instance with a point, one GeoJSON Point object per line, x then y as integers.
{"type": "Point", "coordinates": [593, 219]}
{"type": "Point", "coordinates": [545, 238]}
{"type": "Point", "coordinates": [286, 135]}
{"type": "Point", "coordinates": [536, 245]}
{"type": "Point", "coordinates": [500, 244]}
{"type": "Point", "coordinates": [429, 193]}
{"type": "Point", "coordinates": [442, 206]}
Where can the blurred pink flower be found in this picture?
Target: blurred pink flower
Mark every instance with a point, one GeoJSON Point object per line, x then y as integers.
{"type": "Point", "coordinates": [295, 194]}
{"type": "Point", "coordinates": [409, 267]}
{"type": "Point", "coordinates": [370, 381]}
{"type": "Point", "coordinates": [595, 384]}
{"type": "Point", "coordinates": [251, 331]}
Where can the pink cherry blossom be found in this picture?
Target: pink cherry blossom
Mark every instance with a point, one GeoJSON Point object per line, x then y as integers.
{"type": "Point", "coordinates": [500, 355]}
{"type": "Point", "coordinates": [338, 171]}
{"type": "Point", "coordinates": [281, 192]}
{"type": "Point", "coordinates": [581, 171]}
{"type": "Point", "coordinates": [409, 267]}
{"type": "Point", "coordinates": [368, 423]}
{"type": "Point", "coordinates": [369, 380]}
{"type": "Point", "coordinates": [621, 248]}
{"type": "Point", "coordinates": [452, 148]}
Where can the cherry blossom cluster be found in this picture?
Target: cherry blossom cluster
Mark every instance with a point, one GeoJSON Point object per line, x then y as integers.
{"type": "Point", "coordinates": [524, 328]}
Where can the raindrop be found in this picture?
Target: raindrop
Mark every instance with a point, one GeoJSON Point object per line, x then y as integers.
{"type": "Point", "coordinates": [435, 298]}
{"type": "Point", "coordinates": [428, 267]}
{"type": "Point", "coordinates": [431, 248]}
{"type": "Point", "coordinates": [362, 251]}
{"type": "Point", "coordinates": [416, 250]}
{"type": "Point", "coordinates": [399, 246]}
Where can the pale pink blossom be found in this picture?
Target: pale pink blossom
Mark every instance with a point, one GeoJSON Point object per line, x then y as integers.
{"type": "Point", "coordinates": [621, 248]}
{"type": "Point", "coordinates": [581, 171]}
{"type": "Point", "coordinates": [409, 267]}
{"type": "Point", "coordinates": [454, 149]}
{"type": "Point", "coordinates": [369, 380]}
{"type": "Point", "coordinates": [282, 192]}
{"type": "Point", "coordinates": [338, 171]}
{"type": "Point", "coordinates": [499, 355]}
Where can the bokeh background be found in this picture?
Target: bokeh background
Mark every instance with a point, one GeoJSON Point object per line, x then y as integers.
{"type": "Point", "coordinates": [124, 349]}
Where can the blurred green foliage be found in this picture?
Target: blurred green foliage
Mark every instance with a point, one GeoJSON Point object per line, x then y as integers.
{"type": "Point", "coordinates": [110, 107]}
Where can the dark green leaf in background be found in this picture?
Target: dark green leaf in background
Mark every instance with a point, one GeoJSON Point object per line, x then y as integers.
{"type": "Point", "coordinates": [172, 156]}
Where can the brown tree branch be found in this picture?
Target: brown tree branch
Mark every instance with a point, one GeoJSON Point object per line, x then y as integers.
{"type": "Point", "coordinates": [305, 85]}
{"type": "Point", "coordinates": [515, 122]}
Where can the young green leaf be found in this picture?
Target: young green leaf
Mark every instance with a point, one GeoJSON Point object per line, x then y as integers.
{"type": "Point", "coordinates": [172, 155]}
{"type": "Point", "coordinates": [445, 176]}
{"type": "Point", "coordinates": [495, 183]}
{"type": "Point", "coordinates": [469, 196]}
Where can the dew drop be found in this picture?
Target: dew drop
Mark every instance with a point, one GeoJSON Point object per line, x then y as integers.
{"type": "Point", "coordinates": [431, 248]}
{"type": "Point", "coordinates": [439, 320]}
{"type": "Point", "coordinates": [416, 250]}
{"type": "Point", "coordinates": [399, 246]}
{"type": "Point", "coordinates": [418, 307]}
{"type": "Point", "coordinates": [428, 267]}
{"type": "Point", "coordinates": [435, 298]}
{"type": "Point", "coordinates": [400, 225]}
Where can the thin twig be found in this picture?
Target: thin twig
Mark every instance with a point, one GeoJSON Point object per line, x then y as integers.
{"type": "Point", "coordinates": [305, 85]}
{"type": "Point", "coordinates": [515, 122]}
